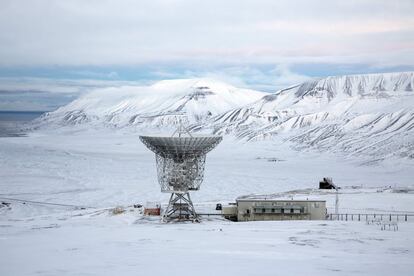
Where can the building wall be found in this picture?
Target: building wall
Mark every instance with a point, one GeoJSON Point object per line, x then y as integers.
{"type": "Point", "coordinates": [253, 210]}
{"type": "Point", "coordinates": [230, 212]}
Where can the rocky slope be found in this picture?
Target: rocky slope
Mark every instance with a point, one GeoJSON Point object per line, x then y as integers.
{"type": "Point", "coordinates": [371, 114]}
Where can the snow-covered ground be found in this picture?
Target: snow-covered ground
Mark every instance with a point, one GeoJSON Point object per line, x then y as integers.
{"type": "Point", "coordinates": [102, 244]}
{"type": "Point", "coordinates": [110, 167]}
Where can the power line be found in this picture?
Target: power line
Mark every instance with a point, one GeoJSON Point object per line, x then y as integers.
{"type": "Point", "coordinates": [45, 203]}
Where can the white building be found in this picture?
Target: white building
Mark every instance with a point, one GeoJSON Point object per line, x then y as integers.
{"type": "Point", "coordinates": [262, 209]}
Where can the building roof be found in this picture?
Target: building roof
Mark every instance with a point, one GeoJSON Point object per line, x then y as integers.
{"type": "Point", "coordinates": [277, 200]}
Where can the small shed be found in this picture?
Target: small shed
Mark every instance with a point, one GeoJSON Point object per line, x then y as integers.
{"type": "Point", "coordinates": [152, 209]}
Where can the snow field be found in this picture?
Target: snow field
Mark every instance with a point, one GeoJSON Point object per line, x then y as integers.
{"type": "Point", "coordinates": [106, 168]}
{"type": "Point", "coordinates": [127, 245]}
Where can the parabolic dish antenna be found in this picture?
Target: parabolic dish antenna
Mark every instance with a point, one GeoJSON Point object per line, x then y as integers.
{"type": "Point", "coordinates": [180, 168]}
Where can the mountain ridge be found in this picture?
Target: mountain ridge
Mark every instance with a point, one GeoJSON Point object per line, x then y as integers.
{"type": "Point", "coordinates": [359, 114]}
{"type": "Point", "coordinates": [157, 105]}
{"type": "Point", "coordinates": [369, 114]}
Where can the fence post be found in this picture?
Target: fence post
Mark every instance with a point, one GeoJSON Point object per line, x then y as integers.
{"type": "Point", "coordinates": [390, 217]}
{"type": "Point", "coordinates": [381, 217]}
{"type": "Point", "coordinates": [374, 215]}
{"type": "Point", "coordinates": [359, 217]}
{"type": "Point", "coordinates": [366, 217]}
{"type": "Point", "coordinates": [346, 217]}
{"type": "Point", "coordinates": [405, 217]}
{"type": "Point", "coordinates": [352, 217]}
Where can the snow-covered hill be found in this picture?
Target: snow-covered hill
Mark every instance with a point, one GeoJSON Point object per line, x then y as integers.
{"type": "Point", "coordinates": [159, 105]}
{"type": "Point", "coordinates": [372, 114]}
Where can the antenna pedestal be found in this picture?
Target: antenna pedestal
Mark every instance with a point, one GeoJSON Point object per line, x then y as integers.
{"type": "Point", "coordinates": [180, 208]}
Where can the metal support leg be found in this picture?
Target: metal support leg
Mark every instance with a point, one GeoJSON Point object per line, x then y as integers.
{"type": "Point", "coordinates": [181, 208]}
{"type": "Point", "coordinates": [168, 208]}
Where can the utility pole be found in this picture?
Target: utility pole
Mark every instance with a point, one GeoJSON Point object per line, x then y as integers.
{"type": "Point", "coordinates": [336, 202]}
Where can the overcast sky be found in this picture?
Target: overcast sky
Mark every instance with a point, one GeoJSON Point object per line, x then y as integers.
{"type": "Point", "coordinates": [264, 45]}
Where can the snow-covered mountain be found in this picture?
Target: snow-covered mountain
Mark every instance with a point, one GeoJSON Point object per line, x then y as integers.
{"type": "Point", "coordinates": [371, 114]}
{"type": "Point", "coordinates": [159, 105]}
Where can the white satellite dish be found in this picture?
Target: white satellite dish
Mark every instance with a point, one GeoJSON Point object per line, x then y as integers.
{"type": "Point", "coordinates": [180, 168]}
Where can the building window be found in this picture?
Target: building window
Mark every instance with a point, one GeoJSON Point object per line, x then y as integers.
{"type": "Point", "coordinates": [273, 210]}
{"type": "Point", "coordinates": [263, 210]}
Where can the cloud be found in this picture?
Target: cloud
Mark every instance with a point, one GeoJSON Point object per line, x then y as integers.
{"type": "Point", "coordinates": [228, 33]}
{"type": "Point", "coordinates": [284, 77]}
{"type": "Point", "coordinates": [262, 78]}
{"type": "Point", "coordinates": [41, 94]}
{"type": "Point", "coordinates": [346, 28]}
{"type": "Point", "coordinates": [96, 75]}
{"type": "Point", "coordinates": [265, 44]}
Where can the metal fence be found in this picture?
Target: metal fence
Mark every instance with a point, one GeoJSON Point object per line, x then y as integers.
{"type": "Point", "coordinates": [366, 217]}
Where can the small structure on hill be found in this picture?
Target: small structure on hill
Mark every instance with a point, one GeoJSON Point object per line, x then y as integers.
{"type": "Point", "coordinates": [327, 183]}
